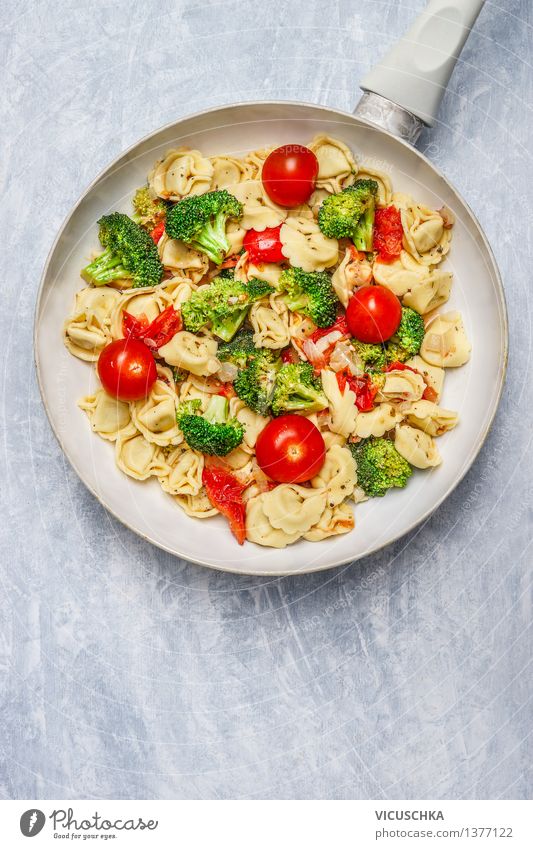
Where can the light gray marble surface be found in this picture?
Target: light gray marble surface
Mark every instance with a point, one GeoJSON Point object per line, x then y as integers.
{"type": "Point", "coordinates": [127, 673]}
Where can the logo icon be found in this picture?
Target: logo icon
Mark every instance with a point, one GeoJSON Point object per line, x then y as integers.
{"type": "Point", "coordinates": [32, 822]}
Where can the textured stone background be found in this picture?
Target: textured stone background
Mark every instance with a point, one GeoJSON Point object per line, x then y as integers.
{"type": "Point", "coordinates": [127, 673]}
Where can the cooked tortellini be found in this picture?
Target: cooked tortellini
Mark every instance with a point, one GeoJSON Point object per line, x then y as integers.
{"type": "Point", "coordinates": [292, 508]}
{"type": "Point", "coordinates": [197, 354]}
{"type": "Point", "coordinates": [205, 367]}
{"type": "Point", "coordinates": [109, 417]}
{"type": "Point", "coordinates": [430, 293]}
{"type": "Point", "coordinates": [196, 506]}
{"type": "Point", "coordinates": [377, 422]}
{"type": "Point", "coordinates": [138, 458]}
{"type": "Point", "coordinates": [400, 276]}
{"type": "Point", "coordinates": [185, 468]}
{"type": "Point", "coordinates": [181, 172]}
{"type": "Point", "coordinates": [155, 416]}
{"type": "Point", "coordinates": [260, 530]}
{"type": "Point", "coordinates": [429, 417]}
{"type": "Point", "coordinates": [446, 343]}
{"type": "Point", "coordinates": [368, 172]}
{"type": "Point", "coordinates": [425, 235]}
{"type": "Point", "coordinates": [227, 171]}
{"type": "Point", "coordinates": [333, 521]}
{"type": "Point", "coordinates": [402, 385]}
{"type": "Point", "coordinates": [342, 409]}
{"type": "Point", "coordinates": [180, 259]}
{"type": "Point", "coordinates": [88, 329]}
{"type": "Point", "coordinates": [271, 329]}
{"type": "Point", "coordinates": [433, 375]}
{"type": "Point", "coordinates": [336, 165]}
{"type": "Point", "coordinates": [259, 211]}
{"type": "Point", "coordinates": [337, 477]}
{"type": "Point", "coordinates": [417, 447]}
{"type": "Point", "coordinates": [305, 246]}
{"type": "Point", "coordinates": [253, 422]}
{"type": "Point", "coordinates": [350, 274]}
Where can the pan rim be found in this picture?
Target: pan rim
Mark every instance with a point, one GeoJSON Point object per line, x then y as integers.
{"type": "Point", "coordinates": [333, 563]}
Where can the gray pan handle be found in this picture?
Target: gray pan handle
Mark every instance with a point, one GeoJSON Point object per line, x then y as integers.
{"type": "Point", "coordinates": [403, 92]}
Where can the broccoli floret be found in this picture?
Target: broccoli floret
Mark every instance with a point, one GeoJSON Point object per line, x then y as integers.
{"type": "Point", "coordinates": [310, 293]}
{"type": "Point", "coordinates": [370, 357]}
{"type": "Point", "coordinates": [379, 466]}
{"type": "Point", "coordinates": [350, 214]}
{"type": "Point", "coordinates": [239, 351]}
{"type": "Point", "coordinates": [255, 384]}
{"type": "Point", "coordinates": [212, 432]}
{"type": "Point", "coordinates": [298, 390]}
{"type": "Point", "coordinates": [200, 221]}
{"type": "Point", "coordinates": [129, 252]}
{"type": "Point", "coordinates": [148, 210]}
{"type": "Point", "coordinates": [223, 305]}
{"type": "Point", "coordinates": [407, 340]}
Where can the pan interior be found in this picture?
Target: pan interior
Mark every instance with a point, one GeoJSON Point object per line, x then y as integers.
{"type": "Point", "coordinates": [472, 390]}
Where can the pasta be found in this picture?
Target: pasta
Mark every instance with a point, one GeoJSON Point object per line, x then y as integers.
{"type": "Point", "coordinates": [446, 343]}
{"type": "Point", "coordinates": [429, 417]}
{"type": "Point", "coordinates": [248, 348]}
{"type": "Point", "coordinates": [87, 331]}
{"type": "Point", "coordinates": [336, 165]}
{"type": "Point", "coordinates": [306, 247]}
{"type": "Point", "coordinates": [109, 418]}
{"type": "Point", "coordinates": [417, 447]}
{"type": "Point", "coordinates": [196, 354]}
{"type": "Point", "coordinates": [155, 417]}
{"type": "Point", "coordinates": [351, 273]}
{"type": "Point", "coordinates": [181, 172]}
{"type": "Point", "coordinates": [138, 458]}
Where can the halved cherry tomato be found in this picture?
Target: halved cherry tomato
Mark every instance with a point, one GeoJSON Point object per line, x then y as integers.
{"type": "Point", "coordinates": [373, 314]}
{"type": "Point", "coordinates": [225, 493]}
{"type": "Point", "coordinates": [156, 333]}
{"type": "Point", "coordinates": [264, 245]}
{"type": "Point", "coordinates": [388, 233]}
{"type": "Point", "coordinates": [127, 369]}
{"type": "Point", "coordinates": [289, 174]}
{"type": "Point", "coordinates": [290, 449]}
{"type": "Point", "coordinates": [158, 231]}
{"type": "Point", "coordinates": [365, 391]}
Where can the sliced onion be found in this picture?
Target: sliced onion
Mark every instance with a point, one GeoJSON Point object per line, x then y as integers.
{"type": "Point", "coordinates": [447, 216]}
{"type": "Point", "coordinates": [343, 357]}
{"type": "Point", "coordinates": [227, 372]}
{"type": "Point", "coordinates": [432, 342]}
{"type": "Point", "coordinates": [329, 339]}
{"type": "Point", "coordinates": [313, 354]}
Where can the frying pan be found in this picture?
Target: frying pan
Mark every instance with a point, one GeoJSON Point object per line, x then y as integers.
{"type": "Point", "coordinates": [401, 96]}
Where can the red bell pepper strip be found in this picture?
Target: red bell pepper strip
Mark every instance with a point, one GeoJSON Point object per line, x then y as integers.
{"type": "Point", "coordinates": [225, 493]}
{"type": "Point", "coordinates": [362, 386]}
{"type": "Point", "coordinates": [388, 233]}
{"type": "Point", "coordinates": [158, 231]}
{"type": "Point", "coordinates": [156, 333]}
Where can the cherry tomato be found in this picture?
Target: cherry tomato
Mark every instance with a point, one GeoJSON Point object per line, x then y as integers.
{"type": "Point", "coordinates": [373, 314]}
{"type": "Point", "coordinates": [290, 449]}
{"type": "Point", "coordinates": [127, 369]}
{"type": "Point", "coordinates": [289, 174]}
{"type": "Point", "coordinates": [264, 246]}
{"type": "Point", "coordinates": [388, 233]}
{"type": "Point", "coordinates": [225, 492]}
